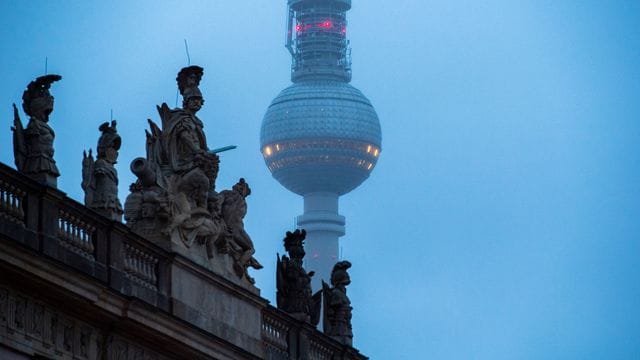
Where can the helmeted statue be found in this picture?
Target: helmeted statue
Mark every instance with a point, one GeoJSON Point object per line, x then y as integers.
{"type": "Point", "coordinates": [293, 282]}
{"type": "Point", "coordinates": [99, 177]}
{"type": "Point", "coordinates": [337, 306]}
{"type": "Point", "coordinates": [174, 202]}
{"type": "Point", "coordinates": [183, 135]}
{"type": "Point", "coordinates": [33, 146]}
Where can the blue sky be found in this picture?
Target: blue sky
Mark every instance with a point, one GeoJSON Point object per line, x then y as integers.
{"type": "Point", "coordinates": [502, 219]}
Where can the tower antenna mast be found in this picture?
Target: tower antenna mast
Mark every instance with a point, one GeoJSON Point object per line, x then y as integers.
{"type": "Point", "coordinates": [186, 50]}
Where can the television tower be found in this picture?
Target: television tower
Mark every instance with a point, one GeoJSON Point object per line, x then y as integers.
{"type": "Point", "coordinates": [320, 137]}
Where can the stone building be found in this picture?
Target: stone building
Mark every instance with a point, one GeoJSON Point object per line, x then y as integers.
{"type": "Point", "coordinates": [75, 284]}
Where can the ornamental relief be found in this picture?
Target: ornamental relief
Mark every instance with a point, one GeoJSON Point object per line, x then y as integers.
{"type": "Point", "coordinates": [40, 329]}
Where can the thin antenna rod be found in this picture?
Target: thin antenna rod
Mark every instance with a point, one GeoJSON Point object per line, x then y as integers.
{"type": "Point", "coordinates": [186, 49]}
{"type": "Point", "coordinates": [111, 114]}
{"type": "Point", "coordinates": [46, 65]}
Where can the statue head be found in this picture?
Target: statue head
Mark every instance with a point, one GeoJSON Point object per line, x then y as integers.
{"type": "Point", "coordinates": [192, 100]}
{"type": "Point", "coordinates": [339, 274]}
{"type": "Point", "coordinates": [242, 187]}
{"type": "Point", "coordinates": [188, 80]}
{"type": "Point", "coordinates": [37, 102]}
{"type": "Point", "coordinates": [109, 142]}
{"type": "Point", "coordinates": [294, 244]}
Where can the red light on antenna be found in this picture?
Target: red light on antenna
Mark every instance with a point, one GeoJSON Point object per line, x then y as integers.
{"type": "Point", "coordinates": [298, 27]}
{"type": "Point", "coordinates": [327, 24]}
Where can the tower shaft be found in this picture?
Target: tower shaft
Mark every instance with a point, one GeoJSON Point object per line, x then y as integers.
{"type": "Point", "coordinates": [324, 227]}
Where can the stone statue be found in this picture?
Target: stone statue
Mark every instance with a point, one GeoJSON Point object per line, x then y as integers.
{"type": "Point", "coordinates": [294, 283]}
{"type": "Point", "coordinates": [100, 178]}
{"type": "Point", "coordinates": [234, 209]}
{"type": "Point", "coordinates": [174, 202]}
{"type": "Point", "coordinates": [337, 306]}
{"type": "Point", "coordinates": [33, 146]}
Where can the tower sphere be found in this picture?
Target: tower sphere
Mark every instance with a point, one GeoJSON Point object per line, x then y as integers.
{"type": "Point", "coordinates": [320, 136]}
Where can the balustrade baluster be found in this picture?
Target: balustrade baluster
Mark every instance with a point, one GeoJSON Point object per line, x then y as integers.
{"type": "Point", "coordinates": [20, 211]}
{"type": "Point", "coordinates": [68, 231]}
{"type": "Point", "coordinates": [137, 261]}
{"type": "Point", "coordinates": [11, 200]}
{"type": "Point", "coordinates": [2, 201]}
{"type": "Point", "coordinates": [85, 240]}
{"type": "Point", "coordinates": [91, 233]}
{"type": "Point", "coordinates": [147, 267]}
{"type": "Point", "coordinates": [76, 233]}
{"type": "Point", "coordinates": [127, 258]}
{"type": "Point", "coordinates": [154, 275]}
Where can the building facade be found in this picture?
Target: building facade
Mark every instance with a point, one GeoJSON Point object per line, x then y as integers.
{"type": "Point", "coordinates": [75, 284]}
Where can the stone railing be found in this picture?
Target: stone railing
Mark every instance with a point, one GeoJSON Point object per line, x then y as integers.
{"type": "Point", "coordinates": [319, 351]}
{"type": "Point", "coordinates": [288, 338]}
{"type": "Point", "coordinates": [140, 266]}
{"type": "Point", "coordinates": [76, 234]}
{"type": "Point", "coordinates": [11, 202]}
{"type": "Point", "coordinates": [275, 334]}
{"type": "Point", "coordinates": [46, 220]}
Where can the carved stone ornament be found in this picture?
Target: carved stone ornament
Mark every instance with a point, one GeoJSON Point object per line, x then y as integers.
{"type": "Point", "coordinates": [33, 146]}
{"type": "Point", "coordinates": [174, 203]}
{"type": "Point", "coordinates": [337, 306]}
{"type": "Point", "coordinates": [293, 282]}
{"type": "Point", "coordinates": [100, 178]}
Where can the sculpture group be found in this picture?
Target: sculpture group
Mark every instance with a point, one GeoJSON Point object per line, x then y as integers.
{"type": "Point", "coordinates": [174, 202]}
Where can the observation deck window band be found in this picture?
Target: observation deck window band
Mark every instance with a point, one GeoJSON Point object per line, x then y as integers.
{"type": "Point", "coordinates": [327, 152]}
{"type": "Point", "coordinates": [295, 161]}
{"type": "Point", "coordinates": [322, 144]}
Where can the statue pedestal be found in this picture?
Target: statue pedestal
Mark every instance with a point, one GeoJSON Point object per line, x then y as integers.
{"type": "Point", "coordinates": [209, 302]}
{"type": "Point", "coordinates": [45, 179]}
{"type": "Point", "coordinates": [209, 294]}
{"type": "Point", "coordinates": [220, 264]}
